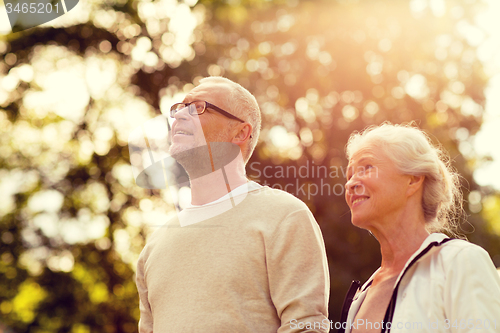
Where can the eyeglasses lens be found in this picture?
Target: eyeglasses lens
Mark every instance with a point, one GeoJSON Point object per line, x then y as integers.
{"type": "Point", "coordinates": [194, 108]}
{"type": "Point", "coordinates": [197, 107]}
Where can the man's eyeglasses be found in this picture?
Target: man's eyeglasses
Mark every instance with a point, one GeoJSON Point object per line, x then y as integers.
{"type": "Point", "coordinates": [199, 107]}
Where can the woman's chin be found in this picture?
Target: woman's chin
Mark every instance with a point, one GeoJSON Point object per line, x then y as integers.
{"type": "Point", "coordinates": [359, 221]}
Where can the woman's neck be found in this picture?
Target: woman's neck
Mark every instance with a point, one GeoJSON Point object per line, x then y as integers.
{"type": "Point", "coordinates": [399, 241]}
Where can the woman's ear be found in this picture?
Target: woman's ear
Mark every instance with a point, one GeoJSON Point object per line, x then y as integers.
{"type": "Point", "coordinates": [244, 131]}
{"type": "Point", "coordinates": [415, 184]}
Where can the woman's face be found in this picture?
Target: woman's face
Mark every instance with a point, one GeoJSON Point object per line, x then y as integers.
{"type": "Point", "coordinates": [375, 190]}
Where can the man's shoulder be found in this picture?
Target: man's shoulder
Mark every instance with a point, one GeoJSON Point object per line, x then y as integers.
{"type": "Point", "coordinates": [156, 236]}
{"type": "Point", "coordinates": [158, 231]}
{"type": "Point", "coordinates": [276, 207]}
{"type": "Point", "coordinates": [271, 196]}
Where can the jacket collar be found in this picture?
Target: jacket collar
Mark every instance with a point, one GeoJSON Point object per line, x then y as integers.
{"type": "Point", "coordinates": [432, 238]}
{"type": "Point", "coordinates": [435, 237]}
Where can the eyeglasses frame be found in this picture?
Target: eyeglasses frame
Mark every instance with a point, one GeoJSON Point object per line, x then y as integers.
{"type": "Point", "coordinates": [207, 105]}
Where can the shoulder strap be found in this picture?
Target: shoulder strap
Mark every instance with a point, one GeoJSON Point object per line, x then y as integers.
{"type": "Point", "coordinates": [347, 303]}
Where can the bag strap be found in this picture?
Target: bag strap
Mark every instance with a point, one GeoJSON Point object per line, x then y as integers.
{"type": "Point", "coordinates": [353, 289]}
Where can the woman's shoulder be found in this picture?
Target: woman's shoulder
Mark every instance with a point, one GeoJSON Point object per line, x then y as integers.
{"type": "Point", "coordinates": [456, 246]}
{"type": "Point", "coordinates": [463, 252]}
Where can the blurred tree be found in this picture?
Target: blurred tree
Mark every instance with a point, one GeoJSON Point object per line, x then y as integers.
{"type": "Point", "coordinates": [72, 220]}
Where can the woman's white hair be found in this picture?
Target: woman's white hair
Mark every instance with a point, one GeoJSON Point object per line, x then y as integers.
{"type": "Point", "coordinates": [413, 153]}
{"type": "Point", "coordinates": [243, 105]}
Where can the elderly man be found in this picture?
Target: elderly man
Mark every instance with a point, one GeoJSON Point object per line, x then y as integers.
{"type": "Point", "coordinates": [257, 266]}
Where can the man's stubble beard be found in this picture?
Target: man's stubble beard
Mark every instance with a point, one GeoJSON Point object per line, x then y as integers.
{"type": "Point", "coordinates": [197, 161]}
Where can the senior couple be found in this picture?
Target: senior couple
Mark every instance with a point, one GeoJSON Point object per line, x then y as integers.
{"type": "Point", "coordinates": [260, 266]}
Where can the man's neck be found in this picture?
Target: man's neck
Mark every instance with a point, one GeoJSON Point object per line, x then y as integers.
{"type": "Point", "coordinates": [216, 184]}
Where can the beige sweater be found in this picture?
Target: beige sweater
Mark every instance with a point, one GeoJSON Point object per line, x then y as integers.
{"type": "Point", "coordinates": [257, 268]}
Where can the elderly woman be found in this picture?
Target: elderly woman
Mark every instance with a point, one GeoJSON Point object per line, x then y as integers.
{"type": "Point", "coordinates": [402, 189]}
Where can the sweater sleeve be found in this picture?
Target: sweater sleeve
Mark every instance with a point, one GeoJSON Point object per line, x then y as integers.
{"type": "Point", "coordinates": [472, 292]}
{"type": "Point", "coordinates": [146, 321]}
{"type": "Point", "coordinates": [298, 274]}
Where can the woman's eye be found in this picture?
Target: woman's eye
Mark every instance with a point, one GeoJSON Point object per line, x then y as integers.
{"type": "Point", "coordinates": [369, 166]}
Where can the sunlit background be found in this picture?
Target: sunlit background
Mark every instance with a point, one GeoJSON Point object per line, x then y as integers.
{"type": "Point", "coordinates": [73, 222]}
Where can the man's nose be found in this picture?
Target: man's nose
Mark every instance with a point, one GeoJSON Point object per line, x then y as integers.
{"type": "Point", "coordinates": [183, 113]}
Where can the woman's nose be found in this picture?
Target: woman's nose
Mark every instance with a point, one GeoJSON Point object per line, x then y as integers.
{"type": "Point", "coordinates": [352, 185]}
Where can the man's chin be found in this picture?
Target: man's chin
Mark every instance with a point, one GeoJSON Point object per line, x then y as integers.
{"type": "Point", "coordinates": [185, 155]}
{"type": "Point", "coordinates": [177, 149]}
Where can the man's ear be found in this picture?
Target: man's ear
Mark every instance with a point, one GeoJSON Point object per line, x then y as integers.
{"type": "Point", "coordinates": [244, 131]}
{"type": "Point", "coordinates": [415, 183]}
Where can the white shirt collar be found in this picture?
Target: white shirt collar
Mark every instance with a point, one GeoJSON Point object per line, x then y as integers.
{"type": "Point", "coordinates": [247, 187]}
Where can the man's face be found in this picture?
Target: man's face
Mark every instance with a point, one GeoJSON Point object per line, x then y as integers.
{"type": "Point", "coordinates": [190, 131]}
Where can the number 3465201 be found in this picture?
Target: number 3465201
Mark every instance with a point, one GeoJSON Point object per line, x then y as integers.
{"type": "Point", "coordinates": [34, 8]}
